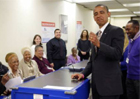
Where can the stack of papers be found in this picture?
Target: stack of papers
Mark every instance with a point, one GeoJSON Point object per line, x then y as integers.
{"type": "Point", "coordinates": [13, 82]}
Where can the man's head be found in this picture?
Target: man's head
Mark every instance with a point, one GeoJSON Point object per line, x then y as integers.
{"type": "Point", "coordinates": [132, 28]}
{"type": "Point", "coordinates": [39, 51]}
{"type": "Point", "coordinates": [101, 14]}
{"type": "Point", "coordinates": [57, 33]}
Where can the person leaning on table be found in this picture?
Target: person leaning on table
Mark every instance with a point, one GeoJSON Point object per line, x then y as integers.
{"type": "Point", "coordinates": [107, 48]}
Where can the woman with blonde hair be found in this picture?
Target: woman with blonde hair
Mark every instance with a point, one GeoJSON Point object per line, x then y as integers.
{"type": "Point", "coordinates": [28, 66]}
{"type": "Point", "coordinates": [13, 62]}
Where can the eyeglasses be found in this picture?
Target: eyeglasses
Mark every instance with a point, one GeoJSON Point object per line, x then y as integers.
{"type": "Point", "coordinates": [40, 51]}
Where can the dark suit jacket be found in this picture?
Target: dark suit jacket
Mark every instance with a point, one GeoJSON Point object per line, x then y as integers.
{"type": "Point", "coordinates": [2, 88]}
{"type": "Point", "coordinates": [104, 64]}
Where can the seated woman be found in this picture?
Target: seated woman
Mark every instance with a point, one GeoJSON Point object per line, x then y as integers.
{"type": "Point", "coordinates": [3, 81]}
{"type": "Point", "coordinates": [73, 58]}
{"type": "Point", "coordinates": [43, 63]}
{"type": "Point", "coordinates": [13, 62]}
{"type": "Point", "coordinates": [36, 41]}
{"type": "Point", "coordinates": [27, 66]}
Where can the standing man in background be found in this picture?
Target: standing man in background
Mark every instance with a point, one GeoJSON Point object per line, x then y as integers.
{"type": "Point", "coordinates": [107, 48]}
{"type": "Point", "coordinates": [133, 60]}
{"type": "Point", "coordinates": [56, 50]}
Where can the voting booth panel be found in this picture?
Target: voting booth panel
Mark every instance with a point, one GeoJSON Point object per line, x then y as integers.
{"type": "Point", "coordinates": [79, 92]}
{"type": "Point", "coordinates": [56, 85]}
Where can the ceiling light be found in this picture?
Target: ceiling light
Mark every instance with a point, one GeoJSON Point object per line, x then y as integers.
{"type": "Point", "coordinates": [123, 15]}
{"type": "Point", "coordinates": [132, 5]}
{"type": "Point", "coordinates": [118, 10]}
{"type": "Point", "coordinates": [69, 0]}
{"type": "Point", "coordinates": [136, 12]}
{"type": "Point", "coordinates": [80, 1]}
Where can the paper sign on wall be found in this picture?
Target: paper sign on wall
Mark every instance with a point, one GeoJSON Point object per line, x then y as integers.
{"type": "Point", "coordinates": [47, 31]}
{"type": "Point", "coordinates": [79, 29]}
{"type": "Point", "coordinates": [64, 27]}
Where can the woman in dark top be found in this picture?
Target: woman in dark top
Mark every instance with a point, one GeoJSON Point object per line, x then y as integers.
{"type": "Point", "coordinates": [84, 46]}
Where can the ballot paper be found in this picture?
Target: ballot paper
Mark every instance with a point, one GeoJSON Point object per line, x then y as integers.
{"type": "Point", "coordinates": [13, 82]}
{"type": "Point", "coordinates": [74, 67]}
{"type": "Point", "coordinates": [49, 67]}
{"type": "Point", "coordinates": [58, 87]}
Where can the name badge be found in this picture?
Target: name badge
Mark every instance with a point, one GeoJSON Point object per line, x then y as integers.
{"type": "Point", "coordinates": [127, 60]}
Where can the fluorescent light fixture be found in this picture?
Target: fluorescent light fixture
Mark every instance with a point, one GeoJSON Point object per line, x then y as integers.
{"type": "Point", "coordinates": [80, 1]}
{"type": "Point", "coordinates": [132, 5]}
{"type": "Point", "coordinates": [69, 0]}
{"type": "Point", "coordinates": [123, 15]}
{"type": "Point", "coordinates": [118, 10]}
{"type": "Point", "coordinates": [136, 12]}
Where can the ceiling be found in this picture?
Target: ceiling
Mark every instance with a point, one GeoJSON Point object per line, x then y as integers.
{"type": "Point", "coordinates": [115, 4]}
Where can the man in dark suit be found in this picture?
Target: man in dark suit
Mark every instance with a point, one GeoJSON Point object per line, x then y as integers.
{"type": "Point", "coordinates": [107, 48]}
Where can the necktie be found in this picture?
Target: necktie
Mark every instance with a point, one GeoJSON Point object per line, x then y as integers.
{"type": "Point", "coordinates": [99, 34]}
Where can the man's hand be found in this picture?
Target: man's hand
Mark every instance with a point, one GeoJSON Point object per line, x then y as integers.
{"type": "Point", "coordinates": [52, 65]}
{"type": "Point", "coordinates": [77, 76]}
{"type": "Point", "coordinates": [83, 53]}
{"type": "Point", "coordinates": [94, 40]}
{"type": "Point", "coordinates": [4, 79]}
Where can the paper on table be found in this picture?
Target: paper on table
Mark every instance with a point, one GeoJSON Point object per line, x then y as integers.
{"type": "Point", "coordinates": [58, 87]}
{"type": "Point", "coordinates": [49, 67]}
{"type": "Point", "coordinates": [13, 82]}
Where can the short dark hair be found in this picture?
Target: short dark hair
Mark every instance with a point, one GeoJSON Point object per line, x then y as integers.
{"type": "Point", "coordinates": [83, 32]}
{"type": "Point", "coordinates": [103, 6]}
{"type": "Point", "coordinates": [38, 46]}
{"type": "Point", "coordinates": [35, 38]}
{"type": "Point", "coordinates": [134, 22]}
{"type": "Point", "coordinates": [73, 48]}
{"type": "Point", "coordinates": [56, 30]}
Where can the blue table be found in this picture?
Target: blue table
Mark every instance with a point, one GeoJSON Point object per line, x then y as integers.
{"type": "Point", "coordinates": [60, 78]}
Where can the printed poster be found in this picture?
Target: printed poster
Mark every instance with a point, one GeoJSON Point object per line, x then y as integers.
{"type": "Point", "coordinates": [79, 29]}
{"type": "Point", "coordinates": [47, 31]}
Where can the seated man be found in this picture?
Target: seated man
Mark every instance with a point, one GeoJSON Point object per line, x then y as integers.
{"type": "Point", "coordinates": [43, 63]}
{"type": "Point", "coordinates": [4, 80]}
{"type": "Point", "coordinates": [73, 58]}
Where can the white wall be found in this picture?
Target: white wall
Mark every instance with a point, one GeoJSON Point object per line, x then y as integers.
{"type": "Point", "coordinates": [20, 20]}
{"type": "Point", "coordinates": [120, 21]}
{"type": "Point", "coordinates": [86, 16]}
